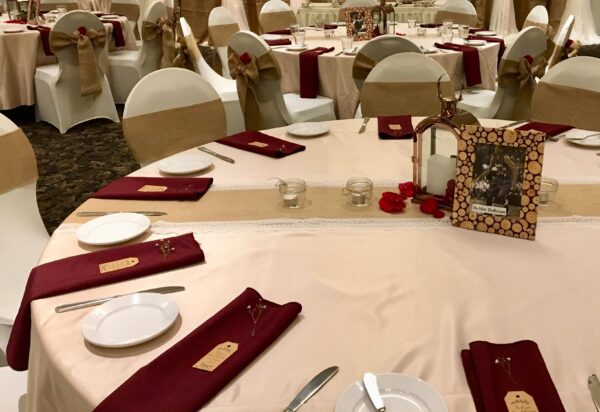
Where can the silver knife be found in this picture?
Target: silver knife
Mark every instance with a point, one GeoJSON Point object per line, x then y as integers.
{"type": "Point", "coordinates": [594, 386]}
{"type": "Point", "coordinates": [94, 302]}
{"type": "Point", "coordinates": [215, 154]}
{"type": "Point", "coordinates": [506, 126]}
{"type": "Point", "coordinates": [141, 212]}
{"type": "Point", "coordinates": [311, 388]}
{"type": "Point", "coordinates": [364, 125]}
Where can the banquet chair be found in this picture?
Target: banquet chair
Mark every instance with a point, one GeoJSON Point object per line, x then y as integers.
{"type": "Point", "coordinates": [376, 50]}
{"type": "Point", "coordinates": [23, 236]}
{"type": "Point", "coordinates": [171, 110]}
{"type": "Point", "coordinates": [500, 104]}
{"type": "Point", "coordinates": [355, 3]}
{"type": "Point", "coordinates": [276, 15]}
{"type": "Point", "coordinates": [557, 46]}
{"type": "Point", "coordinates": [395, 88]}
{"type": "Point", "coordinates": [459, 12]}
{"type": "Point", "coordinates": [226, 88]}
{"type": "Point", "coordinates": [62, 96]}
{"type": "Point", "coordinates": [265, 106]}
{"type": "Point", "coordinates": [236, 8]}
{"type": "Point", "coordinates": [569, 93]}
{"type": "Point", "coordinates": [47, 5]}
{"type": "Point", "coordinates": [538, 16]}
{"type": "Point", "coordinates": [127, 67]}
{"type": "Point", "coordinates": [129, 9]}
{"type": "Point", "coordinates": [221, 26]}
{"type": "Point", "coordinates": [13, 390]}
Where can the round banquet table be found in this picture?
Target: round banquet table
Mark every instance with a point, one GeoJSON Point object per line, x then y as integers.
{"type": "Point", "coordinates": [335, 72]}
{"type": "Point", "coordinates": [381, 293]}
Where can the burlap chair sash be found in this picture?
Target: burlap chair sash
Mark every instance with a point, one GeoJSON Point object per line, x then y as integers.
{"type": "Point", "coordinates": [86, 41]}
{"type": "Point", "coordinates": [17, 161]}
{"type": "Point", "coordinates": [362, 66]}
{"type": "Point", "coordinates": [543, 26]}
{"type": "Point", "coordinates": [417, 99]}
{"type": "Point", "coordinates": [566, 105]}
{"type": "Point", "coordinates": [163, 27]}
{"type": "Point", "coordinates": [276, 21]}
{"type": "Point", "coordinates": [219, 36]}
{"type": "Point", "coordinates": [248, 71]}
{"type": "Point", "coordinates": [182, 130]}
{"type": "Point", "coordinates": [522, 74]}
{"type": "Point", "coordinates": [457, 18]}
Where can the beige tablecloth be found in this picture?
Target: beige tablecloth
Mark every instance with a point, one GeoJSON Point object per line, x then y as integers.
{"type": "Point", "coordinates": [327, 14]}
{"type": "Point", "coordinates": [383, 295]}
{"type": "Point", "coordinates": [335, 72]}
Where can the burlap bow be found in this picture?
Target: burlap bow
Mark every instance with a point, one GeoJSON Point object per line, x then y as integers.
{"type": "Point", "coordinates": [86, 40]}
{"type": "Point", "coordinates": [248, 71]}
{"type": "Point", "coordinates": [164, 28]}
{"type": "Point", "coordinates": [522, 74]}
{"type": "Point", "coordinates": [362, 67]}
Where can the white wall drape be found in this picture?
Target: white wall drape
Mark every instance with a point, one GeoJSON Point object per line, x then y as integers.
{"type": "Point", "coordinates": [584, 28]}
{"type": "Point", "coordinates": [503, 17]}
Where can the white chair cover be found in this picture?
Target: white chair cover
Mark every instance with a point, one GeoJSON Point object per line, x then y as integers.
{"type": "Point", "coordinates": [171, 110]}
{"type": "Point", "coordinates": [47, 5]}
{"type": "Point", "coordinates": [236, 8]}
{"type": "Point", "coordinates": [221, 24]}
{"type": "Point", "coordinates": [538, 16]}
{"type": "Point", "coordinates": [503, 17]}
{"type": "Point", "coordinates": [584, 28]}
{"type": "Point", "coordinates": [560, 40]}
{"type": "Point", "coordinates": [276, 15]}
{"type": "Point", "coordinates": [57, 86]}
{"type": "Point", "coordinates": [13, 390]}
{"type": "Point", "coordinates": [459, 11]}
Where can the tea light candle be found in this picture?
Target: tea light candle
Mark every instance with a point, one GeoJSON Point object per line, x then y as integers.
{"type": "Point", "coordinates": [359, 199]}
{"type": "Point", "coordinates": [290, 200]}
{"type": "Point", "coordinates": [440, 169]}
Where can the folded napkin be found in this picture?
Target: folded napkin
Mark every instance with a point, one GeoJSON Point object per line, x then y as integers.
{"type": "Point", "coordinates": [474, 30]}
{"type": "Point", "coordinates": [261, 143]}
{"type": "Point", "coordinates": [171, 383]}
{"type": "Point", "coordinates": [283, 31]}
{"type": "Point", "coordinates": [44, 37]}
{"type": "Point", "coordinates": [331, 26]}
{"type": "Point", "coordinates": [491, 40]}
{"type": "Point", "coordinates": [431, 25]}
{"type": "Point", "coordinates": [309, 71]}
{"type": "Point", "coordinates": [400, 34]}
{"type": "Point", "coordinates": [278, 42]}
{"type": "Point", "coordinates": [117, 32]}
{"type": "Point", "coordinates": [84, 272]}
{"type": "Point", "coordinates": [470, 61]}
{"type": "Point", "coordinates": [395, 127]}
{"type": "Point", "coordinates": [548, 128]}
{"type": "Point", "coordinates": [15, 21]}
{"type": "Point", "coordinates": [491, 375]}
{"type": "Point", "coordinates": [156, 188]}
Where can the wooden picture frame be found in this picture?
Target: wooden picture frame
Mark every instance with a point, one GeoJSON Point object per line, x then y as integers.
{"type": "Point", "coordinates": [359, 23]}
{"type": "Point", "coordinates": [498, 178]}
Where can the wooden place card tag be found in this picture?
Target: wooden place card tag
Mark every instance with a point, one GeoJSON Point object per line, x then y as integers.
{"type": "Point", "coordinates": [258, 144]}
{"type": "Point", "coordinates": [152, 188]}
{"type": "Point", "coordinates": [118, 264]}
{"type": "Point", "coordinates": [395, 127]}
{"type": "Point", "coordinates": [520, 401]}
{"type": "Point", "coordinates": [213, 359]}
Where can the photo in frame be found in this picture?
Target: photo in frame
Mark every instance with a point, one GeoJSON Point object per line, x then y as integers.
{"type": "Point", "coordinates": [359, 23]}
{"type": "Point", "coordinates": [498, 178]}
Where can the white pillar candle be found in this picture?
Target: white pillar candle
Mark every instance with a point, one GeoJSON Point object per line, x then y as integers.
{"type": "Point", "coordinates": [440, 169]}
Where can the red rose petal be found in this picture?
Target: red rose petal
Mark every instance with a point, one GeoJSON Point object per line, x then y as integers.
{"type": "Point", "coordinates": [429, 206]}
{"type": "Point", "coordinates": [245, 58]}
{"type": "Point", "coordinates": [407, 189]}
{"type": "Point", "coordinates": [438, 214]}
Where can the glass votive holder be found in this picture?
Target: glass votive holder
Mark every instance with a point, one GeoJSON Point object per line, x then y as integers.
{"type": "Point", "coordinates": [347, 42]}
{"type": "Point", "coordinates": [293, 192]}
{"type": "Point", "coordinates": [359, 191]}
{"type": "Point", "coordinates": [421, 31]}
{"type": "Point", "coordinates": [412, 23]}
{"type": "Point", "coordinates": [548, 189]}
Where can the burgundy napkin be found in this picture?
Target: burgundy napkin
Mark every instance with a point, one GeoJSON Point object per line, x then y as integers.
{"type": "Point", "coordinates": [491, 40]}
{"type": "Point", "coordinates": [261, 143]}
{"type": "Point", "coordinates": [278, 42]}
{"type": "Point", "coordinates": [44, 37]}
{"type": "Point", "coordinates": [117, 32]}
{"type": "Point", "coordinates": [388, 127]}
{"type": "Point", "coordinates": [82, 272]}
{"type": "Point", "coordinates": [16, 21]}
{"type": "Point", "coordinates": [309, 71]}
{"type": "Point", "coordinates": [431, 25]}
{"type": "Point", "coordinates": [178, 188]}
{"type": "Point", "coordinates": [474, 30]}
{"type": "Point", "coordinates": [490, 381]}
{"type": "Point", "coordinates": [332, 26]}
{"type": "Point", "coordinates": [470, 61]}
{"type": "Point", "coordinates": [548, 128]}
{"type": "Point", "coordinates": [400, 34]}
{"type": "Point", "coordinates": [171, 383]}
{"type": "Point", "coordinates": [283, 31]}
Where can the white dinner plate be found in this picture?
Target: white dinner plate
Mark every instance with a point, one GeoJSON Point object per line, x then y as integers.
{"type": "Point", "coordinates": [295, 47]}
{"type": "Point", "coordinates": [271, 36]}
{"type": "Point", "coordinates": [485, 33]}
{"type": "Point", "coordinates": [400, 393]}
{"type": "Point", "coordinates": [129, 320]}
{"type": "Point", "coordinates": [110, 17]}
{"type": "Point", "coordinates": [592, 141]}
{"type": "Point", "coordinates": [183, 165]}
{"type": "Point", "coordinates": [15, 30]}
{"type": "Point", "coordinates": [350, 52]}
{"type": "Point", "coordinates": [474, 42]}
{"type": "Point", "coordinates": [113, 228]}
{"type": "Point", "coordinates": [308, 129]}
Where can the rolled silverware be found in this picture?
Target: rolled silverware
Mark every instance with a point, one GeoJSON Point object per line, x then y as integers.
{"type": "Point", "coordinates": [93, 302]}
{"type": "Point", "coordinates": [141, 212]}
{"type": "Point", "coordinates": [215, 154]}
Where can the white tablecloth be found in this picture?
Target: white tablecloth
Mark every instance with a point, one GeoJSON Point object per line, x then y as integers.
{"type": "Point", "coordinates": [327, 14]}
{"type": "Point", "coordinates": [383, 295]}
{"type": "Point", "coordinates": [335, 72]}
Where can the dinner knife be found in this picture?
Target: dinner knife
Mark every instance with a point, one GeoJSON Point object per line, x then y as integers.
{"type": "Point", "coordinates": [141, 212]}
{"type": "Point", "coordinates": [364, 125]}
{"type": "Point", "coordinates": [370, 382]}
{"type": "Point", "coordinates": [87, 303]}
{"type": "Point", "coordinates": [215, 154]}
{"type": "Point", "coordinates": [506, 126]}
{"type": "Point", "coordinates": [311, 388]}
{"type": "Point", "coordinates": [594, 386]}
